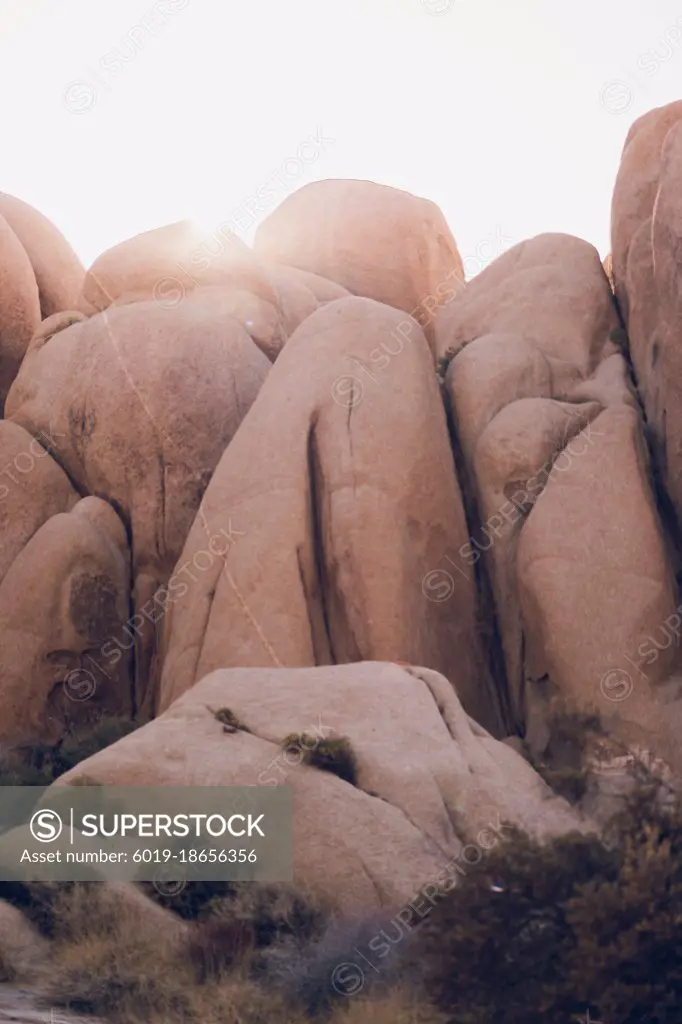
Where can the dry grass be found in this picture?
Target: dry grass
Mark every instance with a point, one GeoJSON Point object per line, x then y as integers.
{"type": "Point", "coordinates": [115, 968]}
{"type": "Point", "coordinates": [395, 1008]}
{"type": "Point", "coordinates": [126, 974]}
{"type": "Point", "coordinates": [125, 968]}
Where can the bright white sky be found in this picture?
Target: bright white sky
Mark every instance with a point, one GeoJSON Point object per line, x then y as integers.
{"type": "Point", "coordinates": [510, 114]}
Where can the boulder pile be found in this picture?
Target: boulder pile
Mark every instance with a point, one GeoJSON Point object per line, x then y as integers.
{"type": "Point", "coordinates": [324, 480]}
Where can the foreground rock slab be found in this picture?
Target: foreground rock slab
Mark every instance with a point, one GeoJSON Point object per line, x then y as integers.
{"type": "Point", "coordinates": [429, 779]}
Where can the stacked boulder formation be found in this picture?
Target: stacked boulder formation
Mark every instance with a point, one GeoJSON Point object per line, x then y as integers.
{"type": "Point", "coordinates": [325, 480]}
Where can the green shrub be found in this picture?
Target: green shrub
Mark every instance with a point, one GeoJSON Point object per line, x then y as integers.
{"type": "Point", "coordinates": [333, 754]}
{"type": "Point", "coordinates": [274, 911]}
{"type": "Point", "coordinates": [546, 933]}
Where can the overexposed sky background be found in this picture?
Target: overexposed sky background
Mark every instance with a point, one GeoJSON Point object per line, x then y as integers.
{"type": "Point", "coordinates": [509, 114]}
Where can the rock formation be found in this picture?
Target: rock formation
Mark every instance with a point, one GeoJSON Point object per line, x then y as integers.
{"type": "Point", "coordinates": [350, 504]}
{"type": "Point", "coordinates": [322, 479]}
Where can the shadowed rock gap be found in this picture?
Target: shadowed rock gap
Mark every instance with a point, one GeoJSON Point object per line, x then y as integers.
{"type": "Point", "coordinates": [486, 613]}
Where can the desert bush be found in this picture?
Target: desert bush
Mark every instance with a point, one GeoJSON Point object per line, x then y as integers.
{"type": "Point", "coordinates": [253, 918]}
{"type": "Point", "coordinates": [216, 944]}
{"type": "Point", "coordinates": [333, 754]}
{"type": "Point", "coordinates": [38, 901]}
{"type": "Point", "coordinates": [111, 967]}
{"type": "Point", "coordinates": [308, 972]}
{"type": "Point", "coordinates": [125, 976]}
{"type": "Point", "coordinates": [192, 901]}
{"type": "Point", "coordinates": [581, 924]}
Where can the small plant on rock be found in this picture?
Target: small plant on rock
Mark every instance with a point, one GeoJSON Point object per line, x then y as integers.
{"type": "Point", "coordinates": [229, 720]}
{"type": "Point", "coordinates": [444, 362]}
{"type": "Point", "coordinates": [333, 754]}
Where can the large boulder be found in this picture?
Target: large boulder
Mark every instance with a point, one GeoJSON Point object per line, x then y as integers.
{"type": "Point", "coordinates": [646, 237]}
{"type": "Point", "coordinates": [636, 187]}
{"type": "Point", "coordinates": [551, 441]}
{"type": "Point", "coordinates": [33, 488]}
{"type": "Point", "coordinates": [598, 596]}
{"type": "Point", "coordinates": [19, 306]}
{"type": "Point", "coordinates": [429, 778]}
{"type": "Point", "coordinates": [171, 263]}
{"type": "Point", "coordinates": [168, 263]}
{"type": "Point", "coordinates": [376, 241]}
{"type": "Point", "coordinates": [523, 437]}
{"type": "Point", "coordinates": [551, 290]}
{"type": "Point", "coordinates": [141, 402]}
{"type": "Point", "coordinates": [65, 596]}
{"type": "Point", "coordinates": [339, 523]}
{"type": "Point", "coordinates": [58, 271]}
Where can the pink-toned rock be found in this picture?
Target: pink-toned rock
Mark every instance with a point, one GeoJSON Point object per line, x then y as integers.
{"type": "Point", "coordinates": [374, 240]}
{"type": "Point", "coordinates": [58, 271]}
{"type": "Point", "coordinates": [596, 589]}
{"type": "Point", "coordinates": [295, 300]}
{"type": "Point", "coordinates": [64, 597]}
{"type": "Point", "coordinates": [142, 402]}
{"type": "Point", "coordinates": [168, 263]}
{"type": "Point", "coordinates": [550, 290]}
{"type": "Point", "coordinates": [636, 187]}
{"type": "Point", "coordinates": [429, 778]}
{"type": "Point", "coordinates": [646, 239]}
{"type": "Point", "coordinates": [341, 524]}
{"type": "Point", "coordinates": [19, 306]}
{"type": "Point", "coordinates": [33, 488]}
{"type": "Point", "coordinates": [322, 288]}
{"type": "Point", "coordinates": [551, 440]}
{"type": "Point", "coordinates": [514, 458]}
